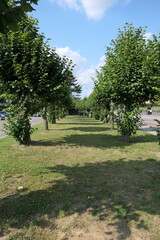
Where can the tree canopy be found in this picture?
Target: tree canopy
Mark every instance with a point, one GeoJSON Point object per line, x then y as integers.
{"type": "Point", "coordinates": [30, 73]}
{"type": "Point", "coordinates": [12, 11]}
{"type": "Point", "coordinates": [130, 76]}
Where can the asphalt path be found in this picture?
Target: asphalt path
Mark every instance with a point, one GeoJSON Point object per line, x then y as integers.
{"type": "Point", "coordinates": [149, 122]}
{"type": "Point", "coordinates": [34, 121]}
{"type": "Point", "coordinates": [150, 118]}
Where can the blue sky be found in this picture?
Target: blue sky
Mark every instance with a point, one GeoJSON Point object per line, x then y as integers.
{"type": "Point", "coordinates": [81, 29]}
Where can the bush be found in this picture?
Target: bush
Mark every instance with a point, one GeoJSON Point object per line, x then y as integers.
{"type": "Point", "coordinates": [19, 127]}
{"type": "Point", "coordinates": [128, 122]}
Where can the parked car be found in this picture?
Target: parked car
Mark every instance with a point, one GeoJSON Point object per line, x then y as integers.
{"type": "Point", "coordinates": [3, 115]}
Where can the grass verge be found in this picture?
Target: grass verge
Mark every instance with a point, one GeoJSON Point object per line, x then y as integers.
{"type": "Point", "coordinates": [79, 180]}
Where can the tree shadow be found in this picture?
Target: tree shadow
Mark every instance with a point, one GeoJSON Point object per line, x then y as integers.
{"type": "Point", "coordinates": [82, 129]}
{"type": "Point", "coordinates": [80, 123]}
{"type": "Point", "coordinates": [96, 140]}
{"type": "Point", "coordinates": [81, 120]}
{"type": "Point", "coordinates": [47, 143]}
{"type": "Point", "coordinates": [120, 189]}
{"type": "Point", "coordinates": [104, 141]}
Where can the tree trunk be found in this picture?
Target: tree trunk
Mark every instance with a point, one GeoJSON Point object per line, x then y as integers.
{"type": "Point", "coordinates": [57, 113]}
{"type": "Point", "coordinates": [53, 114]}
{"type": "Point", "coordinates": [126, 137]}
{"type": "Point", "coordinates": [54, 120]}
{"type": "Point", "coordinates": [127, 134]}
{"type": "Point", "coordinates": [26, 140]}
{"type": "Point", "coordinates": [105, 120]}
{"type": "Point", "coordinates": [112, 115]}
{"type": "Point", "coordinates": [45, 118]}
{"type": "Point", "coordinates": [27, 133]}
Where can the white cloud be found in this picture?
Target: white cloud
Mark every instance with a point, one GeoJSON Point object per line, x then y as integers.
{"type": "Point", "coordinates": [148, 35]}
{"type": "Point", "coordinates": [94, 9]}
{"type": "Point", "coordinates": [87, 76]}
{"type": "Point", "coordinates": [74, 55]}
{"type": "Point", "coordinates": [84, 76]}
{"type": "Point", "coordinates": [77, 59]}
{"type": "Point", "coordinates": [69, 3]}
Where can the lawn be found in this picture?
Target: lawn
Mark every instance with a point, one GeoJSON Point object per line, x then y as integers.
{"type": "Point", "coordinates": [80, 181]}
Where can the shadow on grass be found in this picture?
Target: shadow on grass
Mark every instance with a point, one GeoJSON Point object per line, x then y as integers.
{"type": "Point", "coordinates": [119, 189]}
{"type": "Point", "coordinates": [81, 123]}
{"type": "Point", "coordinates": [81, 120]}
{"type": "Point", "coordinates": [101, 141]}
{"type": "Point", "coordinates": [83, 129]}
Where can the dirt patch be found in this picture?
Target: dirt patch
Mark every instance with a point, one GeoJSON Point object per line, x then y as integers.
{"type": "Point", "coordinates": [157, 154]}
{"type": "Point", "coordinates": [80, 227]}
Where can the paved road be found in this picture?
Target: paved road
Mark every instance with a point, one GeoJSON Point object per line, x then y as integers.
{"type": "Point", "coordinates": [150, 118]}
{"type": "Point", "coordinates": [34, 121]}
{"type": "Point", "coordinates": [148, 122]}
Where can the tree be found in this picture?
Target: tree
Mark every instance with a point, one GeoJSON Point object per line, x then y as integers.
{"type": "Point", "coordinates": [31, 73]}
{"type": "Point", "coordinates": [126, 62]}
{"type": "Point", "coordinates": [82, 106]}
{"type": "Point", "coordinates": [21, 71]}
{"type": "Point", "coordinates": [153, 63]}
{"type": "Point", "coordinates": [59, 84]}
{"type": "Point", "coordinates": [102, 99]}
{"type": "Point", "coordinates": [12, 11]}
{"type": "Point", "coordinates": [127, 81]}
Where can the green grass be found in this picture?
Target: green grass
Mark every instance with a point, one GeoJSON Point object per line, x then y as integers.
{"type": "Point", "coordinates": [79, 180]}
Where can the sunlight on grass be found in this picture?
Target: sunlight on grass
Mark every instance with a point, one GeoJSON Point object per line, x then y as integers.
{"type": "Point", "coordinates": [79, 180]}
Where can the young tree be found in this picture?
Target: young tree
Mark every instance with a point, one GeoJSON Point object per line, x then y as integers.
{"type": "Point", "coordinates": [127, 79]}
{"type": "Point", "coordinates": [31, 71]}
{"type": "Point", "coordinates": [153, 62]}
{"type": "Point", "coordinates": [59, 83]}
{"type": "Point", "coordinates": [102, 99]}
{"type": "Point", "coordinates": [20, 73]}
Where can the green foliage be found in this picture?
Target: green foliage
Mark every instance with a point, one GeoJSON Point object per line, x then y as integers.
{"type": "Point", "coordinates": [100, 102]}
{"type": "Point", "coordinates": [130, 76]}
{"type": "Point", "coordinates": [21, 71]}
{"type": "Point", "coordinates": [158, 130]}
{"type": "Point", "coordinates": [19, 127]}
{"type": "Point", "coordinates": [128, 122]}
{"type": "Point", "coordinates": [126, 71]}
{"type": "Point", "coordinates": [32, 74]}
{"type": "Point", "coordinates": [21, 60]}
{"type": "Point", "coordinates": [56, 112]}
{"type": "Point", "coordinates": [81, 106]}
{"type": "Point", "coordinates": [92, 106]}
{"type": "Point", "coordinates": [57, 87]}
{"type": "Point", "coordinates": [12, 11]}
{"type": "Point", "coordinates": [18, 124]}
{"type": "Point", "coordinates": [52, 113]}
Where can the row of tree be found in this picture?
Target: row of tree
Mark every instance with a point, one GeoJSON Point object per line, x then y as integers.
{"type": "Point", "coordinates": [33, 77]}
{"type": "Point", "coordinates": [129, 78]}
